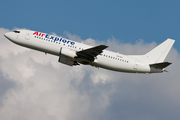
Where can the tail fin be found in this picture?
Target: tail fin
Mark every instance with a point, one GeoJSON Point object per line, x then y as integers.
{"type": "Point", "coordinates": [159, 53]}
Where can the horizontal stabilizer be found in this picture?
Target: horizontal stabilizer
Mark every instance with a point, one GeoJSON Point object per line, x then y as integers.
{"type": "Point", "coordinates": [160, 65]}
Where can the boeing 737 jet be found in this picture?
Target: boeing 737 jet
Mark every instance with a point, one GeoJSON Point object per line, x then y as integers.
{"type": "Point", "coordinates": [74, 53]}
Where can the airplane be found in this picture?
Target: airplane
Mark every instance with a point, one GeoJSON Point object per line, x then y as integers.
{"type": "Point", "coordinates": [74, 53]}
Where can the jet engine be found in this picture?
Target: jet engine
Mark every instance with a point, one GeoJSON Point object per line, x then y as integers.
{"type": "Point", "coordinates": [67, 52]}
{"type": "Point", "coordinates": [67, 61]}
{"type": "Point", "coordinates": [67, 57]}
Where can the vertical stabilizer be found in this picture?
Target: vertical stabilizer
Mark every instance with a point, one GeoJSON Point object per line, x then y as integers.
{"type": "Point", "coordinates": [159, 53]}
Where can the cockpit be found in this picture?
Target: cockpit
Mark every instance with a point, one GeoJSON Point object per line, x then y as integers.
{"type": "Point", "coordinates": [16, 31]}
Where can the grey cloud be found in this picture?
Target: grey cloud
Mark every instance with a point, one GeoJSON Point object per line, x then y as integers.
{"type": "Point", "coordinates": [5, 85]}
{"type": "Point", "coordinates": [36, 86]}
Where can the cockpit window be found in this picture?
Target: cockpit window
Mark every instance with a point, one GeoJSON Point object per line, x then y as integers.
{"type": "Point", "coordinates": [16, 31]}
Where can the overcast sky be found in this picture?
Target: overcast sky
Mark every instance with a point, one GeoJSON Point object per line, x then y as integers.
{"type": "Point", "coordinates": [35, 86]}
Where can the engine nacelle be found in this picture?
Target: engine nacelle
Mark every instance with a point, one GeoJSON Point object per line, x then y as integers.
{"type": "Point", "coordinates": [66, 60]}
{"type": "Point", "coordinates": [67, 52]}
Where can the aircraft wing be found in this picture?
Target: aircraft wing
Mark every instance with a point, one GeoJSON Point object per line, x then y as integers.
{"type": "Point", "coordinates": [91, 53]}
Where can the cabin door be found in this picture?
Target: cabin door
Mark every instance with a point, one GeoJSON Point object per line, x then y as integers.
{"type": "Point", "coordinates": [136, 65]}
{"type": "Point", "coordinates": [27, 37]}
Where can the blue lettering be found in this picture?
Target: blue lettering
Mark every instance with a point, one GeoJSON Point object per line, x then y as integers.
{"type": "Point", "coordinates": [52, 37]}
{"type": "Point", "coordinates": [64, 41]}
{"type": "Point", "coordinates": [59, 39]}
{"type": "Point", "coordinates": [47, 36]}
{"type": "Point", "coordinates": [68, 41]}
{"type": "Point", "coordinates": [56, 39]}
{"type": "Point", "coordinates": [72, 43]}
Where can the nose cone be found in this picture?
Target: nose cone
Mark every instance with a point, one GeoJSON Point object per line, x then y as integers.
{"type": "Point", "coordinates": [11, 36]}
{"type": "Point", "coordinates": [7, 35]}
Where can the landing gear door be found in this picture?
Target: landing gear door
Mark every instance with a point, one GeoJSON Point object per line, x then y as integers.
{"type": "Point", "coordinates": [27, 37]}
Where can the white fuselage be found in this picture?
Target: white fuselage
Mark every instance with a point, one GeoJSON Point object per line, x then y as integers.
{"type": "Point", "coordinates": [52, 44]}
